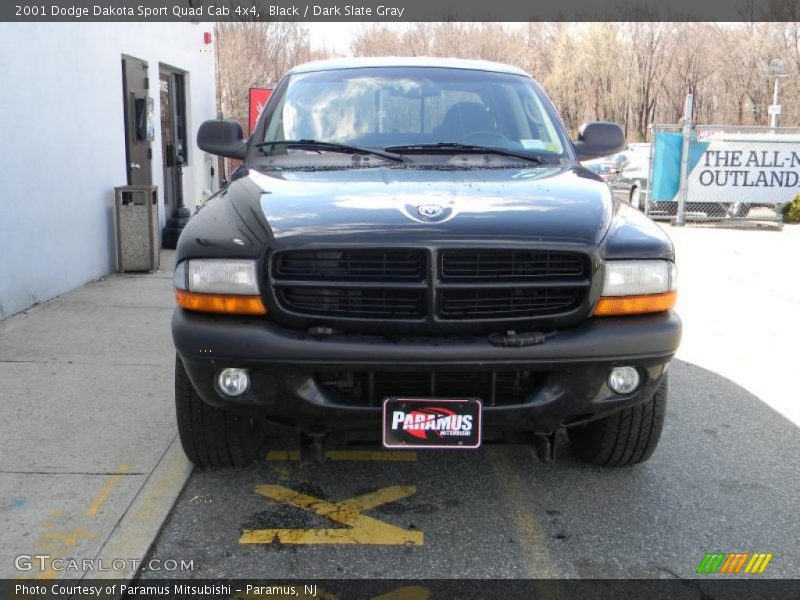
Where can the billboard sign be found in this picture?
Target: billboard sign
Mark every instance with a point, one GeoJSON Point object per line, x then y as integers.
{"type": "Point", "coordinates": [746, 168]}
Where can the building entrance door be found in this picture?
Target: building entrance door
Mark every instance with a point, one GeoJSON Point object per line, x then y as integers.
{"type": "Point", "coordinates": [139, 126]}
{"type": "Point", "coordinates": [174, 148]}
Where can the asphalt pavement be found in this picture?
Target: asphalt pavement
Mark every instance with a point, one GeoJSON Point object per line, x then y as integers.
{"type": "Point", "coordinates": [724, 479]}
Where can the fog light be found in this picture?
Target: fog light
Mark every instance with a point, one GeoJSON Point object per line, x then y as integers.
{"type": "Point", "coordinates": [233, 382]}
{"type": "Point", "coordinates": [623, 380]}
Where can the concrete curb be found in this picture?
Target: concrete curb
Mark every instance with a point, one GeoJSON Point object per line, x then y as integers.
{"type": "Point", "coordinates": [138, 527]}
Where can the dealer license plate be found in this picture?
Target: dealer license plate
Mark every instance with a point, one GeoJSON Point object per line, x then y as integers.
{"type": "Point", "coordinates": [431, 423]}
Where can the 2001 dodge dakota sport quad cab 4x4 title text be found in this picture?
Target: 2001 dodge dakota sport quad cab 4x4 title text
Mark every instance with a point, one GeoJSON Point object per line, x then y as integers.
{"type": "Point", "coordinates": [412, 248]}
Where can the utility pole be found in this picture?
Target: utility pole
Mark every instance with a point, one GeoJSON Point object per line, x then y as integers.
{"type": "Point", "coordinates": [773, 113]}
{"type": "Point", "coordinates": [776, 67]}
{"type": "Point", "coordinates": [683, 188]}
{"type": "Point", "coordinates": [775, 108]}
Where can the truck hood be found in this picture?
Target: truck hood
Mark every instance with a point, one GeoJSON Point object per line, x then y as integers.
{"type": "Point", "coordinates": [562, 203]}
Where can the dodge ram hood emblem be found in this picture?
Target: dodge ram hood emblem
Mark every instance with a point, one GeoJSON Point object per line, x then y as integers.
{"type": "Point", "coordinates": [430, 211]}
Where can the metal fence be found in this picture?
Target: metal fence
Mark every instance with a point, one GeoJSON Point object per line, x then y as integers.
{"type": "Point", "coordinates": [728, 173]}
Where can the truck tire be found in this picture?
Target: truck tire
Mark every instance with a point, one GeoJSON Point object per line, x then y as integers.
{"type": "Point", "coordinates": [625, 438]}
{"type": "Point", "coordinates": [210, 436]}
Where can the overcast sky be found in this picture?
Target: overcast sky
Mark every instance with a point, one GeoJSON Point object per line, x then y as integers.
{"type": "Point", "coordinates": [336, 36]}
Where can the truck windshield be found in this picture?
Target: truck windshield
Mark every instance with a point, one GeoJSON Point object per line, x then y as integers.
{"type": "Point", "coordinates": [392, 107]}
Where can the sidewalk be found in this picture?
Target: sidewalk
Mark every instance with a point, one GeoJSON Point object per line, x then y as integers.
{"type": "Point", "coordinates": [89, 460]}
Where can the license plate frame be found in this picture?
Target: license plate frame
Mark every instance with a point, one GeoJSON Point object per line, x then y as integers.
{"type": "Point", "coordinates": [432, 430]}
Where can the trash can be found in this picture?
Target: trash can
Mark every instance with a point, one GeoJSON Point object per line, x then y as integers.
{"type": "Point", "coordinates": [137, 227]}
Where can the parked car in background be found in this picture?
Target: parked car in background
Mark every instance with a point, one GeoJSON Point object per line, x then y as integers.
{"type": "Point", "coordinates": [600, 167]}
{"type": "Point", "coordinates": [639, 148]}
{"type": "Point", "coordinates": [629, 175]}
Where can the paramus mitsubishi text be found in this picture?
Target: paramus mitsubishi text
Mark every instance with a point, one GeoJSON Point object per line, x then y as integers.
{"type": "Point", "coordinates": [411, 250]}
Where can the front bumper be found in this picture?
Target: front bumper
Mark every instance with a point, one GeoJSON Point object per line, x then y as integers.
{"type": "Point", "coordinates": [572, 365]}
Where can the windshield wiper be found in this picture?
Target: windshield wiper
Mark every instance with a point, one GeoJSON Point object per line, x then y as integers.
{"type": "Point", "coordinates": [331, 147]}
{"type": "Point", "coordinates": [456, 147]}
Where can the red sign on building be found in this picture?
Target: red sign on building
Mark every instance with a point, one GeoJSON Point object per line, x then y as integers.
{"type": "Point", "coordinates": [258, 100]}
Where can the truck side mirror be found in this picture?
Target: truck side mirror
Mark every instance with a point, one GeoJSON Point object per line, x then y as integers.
{"type": "Point", "coordinates": [223, 137]}
{"type": "Point", "coordinates": [599, 139]}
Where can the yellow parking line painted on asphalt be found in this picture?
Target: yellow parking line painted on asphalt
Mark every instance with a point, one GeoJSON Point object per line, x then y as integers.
{"type": "Point", "coordinates": [278, 455]}
{"type": "Point", "coordinates": [366, 455]}
{"type": "Point", "coordinates": [360, 529]}
{"type": "Point", "coordinates": [533, 541]}
{"type": "Point", "coordinates": [354, 455]}
{"type": "Point", "coordinates": [105, 491]}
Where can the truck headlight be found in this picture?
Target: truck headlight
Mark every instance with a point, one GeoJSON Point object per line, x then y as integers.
{"type": "Point", "coordinates": [634, 287]}
{"type": "Point", "coordinates": [218, 286]}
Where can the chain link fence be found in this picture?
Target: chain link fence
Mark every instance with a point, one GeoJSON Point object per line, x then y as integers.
{"type": "Point", "coordinates": [724, 173]}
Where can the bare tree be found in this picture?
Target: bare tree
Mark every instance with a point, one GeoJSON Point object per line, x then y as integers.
{"type": "Point", "coordinates": [632, 73]}
{"type": "Point", "coordinates": [256, 54]}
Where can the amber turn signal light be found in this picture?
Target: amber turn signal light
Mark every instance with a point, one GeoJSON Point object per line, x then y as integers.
{"type": "Point", "coordinates": [220, 303]}
{"type": "Point", "coordinates": [611, 306]}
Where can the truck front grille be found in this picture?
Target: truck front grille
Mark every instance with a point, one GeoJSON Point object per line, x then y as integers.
{"type": "Point", "coordinates": [351, 265]}
{"type": "Point", "coordinates": [510, 265]}
{"type": "Point", "coordinates": [507, 302]}
{"type": "Point", "coordinates": [430, 286]}
{"type": "Point", "coordinates": [369, 388]}
{"type": "Point", "coordinates": [354, 302]}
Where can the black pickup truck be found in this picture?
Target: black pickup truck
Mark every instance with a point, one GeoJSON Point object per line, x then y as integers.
{"type": "Point", "coordinates": [412, 249]}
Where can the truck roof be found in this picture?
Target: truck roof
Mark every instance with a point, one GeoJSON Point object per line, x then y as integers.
{"type": "Point", "coordinates": [335, 64]}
